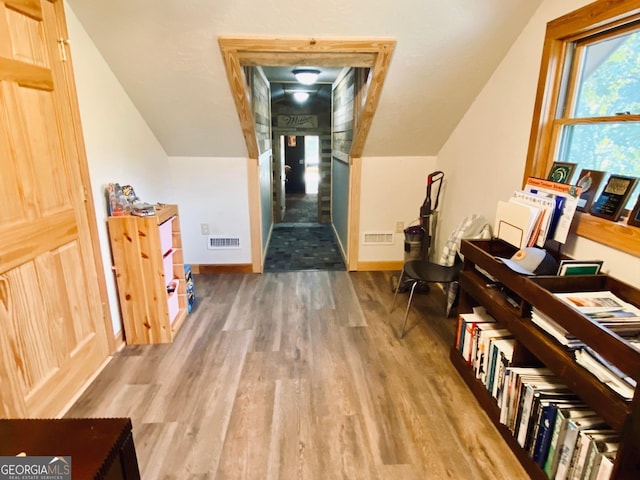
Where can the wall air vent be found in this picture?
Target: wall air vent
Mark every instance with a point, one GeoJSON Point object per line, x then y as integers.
{"type": "Point", "coordinates": [218, 243]}
{"type": "Point", "coordinates": [378, 238]}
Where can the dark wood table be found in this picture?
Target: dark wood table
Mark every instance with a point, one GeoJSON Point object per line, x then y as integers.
{"type": "Point", "coordinates": [100, 448]}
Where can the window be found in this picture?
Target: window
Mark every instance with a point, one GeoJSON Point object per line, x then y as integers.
{"type": "Point", "coordinates": [599, 122]}
{"type": "Point", "coordinates": [588, 105]}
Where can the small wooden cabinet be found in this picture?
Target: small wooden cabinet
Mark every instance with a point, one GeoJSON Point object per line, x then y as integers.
{"type": "Point", "coordinates": [532, 343]}
{"type": "Point", "coordinates": [149, 267]}
{"type": "Point", "coordinates": [100, 448]}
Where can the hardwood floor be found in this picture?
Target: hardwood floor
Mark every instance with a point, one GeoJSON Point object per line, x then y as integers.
{"type": "Point", "coordinates": [301, 376]}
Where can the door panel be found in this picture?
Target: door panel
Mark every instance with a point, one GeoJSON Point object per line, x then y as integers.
{"type": "Point", "coordinates": [52, 329]}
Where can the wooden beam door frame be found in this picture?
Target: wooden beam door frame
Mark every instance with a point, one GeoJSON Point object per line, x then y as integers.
{"type": "Point", "coordinates": [372, 53]}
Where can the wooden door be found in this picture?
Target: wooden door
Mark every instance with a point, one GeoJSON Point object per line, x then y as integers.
{"type": "Point", "coordinates": [53, 333]}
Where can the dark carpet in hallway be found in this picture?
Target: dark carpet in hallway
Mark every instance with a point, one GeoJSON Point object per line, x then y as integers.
{"type": "Point", "coordinates": [301, 243]}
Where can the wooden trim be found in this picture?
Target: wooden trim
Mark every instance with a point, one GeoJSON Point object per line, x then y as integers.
{"type": "Point", "coordinates": [618, 235]}
{"type": "Point", "coordinates": [258, 51]}
{"type": "Point", "coordinates": [319, 59]}
{"type": "Point", "coordinates": [355, 192]}
{"type": "Point", "coordinates": [216, 269]}
{"type": "Point", "coordinates": [255, 213]}
{"type": "Point", "coordinates": [380, 266]}
{"type": "Point", "coordinates": [374, 91]}
{"type": "Point", "coordinates": [591, 19]}
{"type": "Point", "coordinates": [241, 97]}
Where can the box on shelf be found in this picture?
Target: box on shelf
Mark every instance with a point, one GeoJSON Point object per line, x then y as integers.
{"type": "Point", "coordinates": [172, 300]}
{"type": "Point", "coordinates": [167, 266]}
{"type": "Point", "coordinates": [166, 235]}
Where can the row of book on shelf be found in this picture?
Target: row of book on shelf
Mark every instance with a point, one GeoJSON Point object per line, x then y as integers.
{"type": "Point", "coordinates": [559, 432]}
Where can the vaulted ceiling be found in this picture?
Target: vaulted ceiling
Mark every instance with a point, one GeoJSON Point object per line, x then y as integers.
{"type": "Point", "coordinates": [165, 54]}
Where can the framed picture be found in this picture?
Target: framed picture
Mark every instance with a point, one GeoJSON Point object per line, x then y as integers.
{"type": "Point", "coordinates": [614, 196]}
{"type": "Point", "coordinates": [579, 267]}
{"type": "Point", "coordinates": [634, 216]}
{"type": "Point", "coordinates": [590, 181]}
{"type": "Point", "coordinates": [562, 172]}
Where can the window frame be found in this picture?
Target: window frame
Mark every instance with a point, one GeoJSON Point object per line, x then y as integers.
{"type": "Point", "coordinates": [597, 18]}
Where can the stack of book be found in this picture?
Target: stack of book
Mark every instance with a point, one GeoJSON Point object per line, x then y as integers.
{"type": "Point", "coordinates": [486, 346]}
{"type": "Point", "coordinates": [558, 431]}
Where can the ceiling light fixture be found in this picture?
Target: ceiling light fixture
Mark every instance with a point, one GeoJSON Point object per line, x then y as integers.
{"type": "Point", "coordinates": [301, 96]}
{"type": "Point", "coordinates": [306, 76]}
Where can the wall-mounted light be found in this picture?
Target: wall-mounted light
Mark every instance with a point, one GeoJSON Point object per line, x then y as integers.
{"type": "Point", "coordinates": [306, 76]}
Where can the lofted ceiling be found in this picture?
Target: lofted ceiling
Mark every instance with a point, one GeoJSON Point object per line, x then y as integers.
{"type": "Point", "coordinates": [166, 56]}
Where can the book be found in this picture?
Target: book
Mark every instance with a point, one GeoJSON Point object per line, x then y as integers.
{"type": "Point", "coordinates": [547, 423]}
{"type": "Point", "coordinates": [482, 330]}
{"type": "Point", "coordinates": [607, 459]}
{"type": "Point", "coordinates": [566, 200]}
{"type": "Point", "coordinates": [557, 331]}
{"type": "Point", "coordinates": [513, 392]}
{"type": "Point", "coordinates": [567, 448]}
{"type": "Point", "coordinates": [606, 372]}
{"type": "Point", "coordinates": [594, 457]}
{"type": "Point", "coordinates": [585, 437]}
{"type": "Point", "coordinates": [504, 355]}
{"type": "Point", "coordinates": [486, 344]}
{"type": "Point", "coordinates": [531, 388]}
{"type": "Point", "coordinates": [544, 403]}
{"type": "Point", "coordinates": [557, 437]}
{"type": "Point", "coordinates": [598, 302]}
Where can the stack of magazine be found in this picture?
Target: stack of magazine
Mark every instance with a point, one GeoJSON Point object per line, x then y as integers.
{"type": "Point", "coordinates": [611, 312]}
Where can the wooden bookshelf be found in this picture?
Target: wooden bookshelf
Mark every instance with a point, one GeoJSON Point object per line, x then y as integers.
{"type": "Point", "coordinates": [147, 256]}
{"type": "Point", "coordinates": [622, 415]}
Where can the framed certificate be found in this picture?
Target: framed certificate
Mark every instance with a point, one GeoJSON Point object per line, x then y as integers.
{"type": "Point", "coordinates": [561, 172]}
{"type": "Point", "coordinates": [590, 181]}
{"type": "Point", "coordinates": [614, 196]}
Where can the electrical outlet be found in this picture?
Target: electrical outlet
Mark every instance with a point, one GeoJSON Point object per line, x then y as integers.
{"type": "Point", "coordinates": [399, 227]}
{"type": "Point", "coordinates": [204, 228]}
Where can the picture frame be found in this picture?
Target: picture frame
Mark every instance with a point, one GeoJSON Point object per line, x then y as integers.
{"type": "Point", "coordinates": [562, 172]}
{"type": "Point", "coordinates": [579, 267]}
{"type": "Point", "coordinates": [634, 216]}
{"type": "Point", "coordinates": [614, 196]}
{"type": "Point", "coordinates": [590, 181]}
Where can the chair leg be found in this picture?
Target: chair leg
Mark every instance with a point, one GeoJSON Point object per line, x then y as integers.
{"type": "Point", "coordinates": [397, 288]}
{"type": "Point", "coordinates": [406, 313]}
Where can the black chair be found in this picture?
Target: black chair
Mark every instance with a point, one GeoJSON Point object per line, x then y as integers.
{"type": "Point", "coordinates": [423, 272]}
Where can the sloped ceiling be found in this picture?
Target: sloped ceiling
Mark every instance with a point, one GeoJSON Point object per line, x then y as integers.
{"type": "Point", "coordinates": [165, 54]}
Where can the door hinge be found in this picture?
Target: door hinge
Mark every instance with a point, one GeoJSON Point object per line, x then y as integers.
{"type": "Point", "coordinates": [62, 45]}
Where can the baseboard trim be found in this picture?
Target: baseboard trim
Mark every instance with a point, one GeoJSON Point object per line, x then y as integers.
{"type": "Point", "coordinates": [379, 266]}
{"type": "Point", "coordinates": [118, 339]}
{"type": "Point", "coordinates": [231, 268]}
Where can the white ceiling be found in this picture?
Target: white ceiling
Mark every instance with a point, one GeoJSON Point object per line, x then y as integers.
{"type": "Point", "coordinates": [165, 54]}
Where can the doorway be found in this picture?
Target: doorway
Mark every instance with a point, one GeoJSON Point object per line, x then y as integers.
{"type": "Point", "coordinates": [302, 170]}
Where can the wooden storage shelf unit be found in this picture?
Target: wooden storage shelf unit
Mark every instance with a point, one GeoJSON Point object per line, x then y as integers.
{"type": "Point", "coordinates": [534, 345]}
{"type": "Point", "coordinates": [145, 252]}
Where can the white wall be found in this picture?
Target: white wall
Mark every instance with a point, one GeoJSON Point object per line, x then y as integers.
{"type": "Point", "coordinates": [212, 191]}
{"type": "Point", "coordinates": [485, 157]}
{"type": "Point", "coordinates": [393, 189]}
{"type": "Point", "coordinates": [120, 146]}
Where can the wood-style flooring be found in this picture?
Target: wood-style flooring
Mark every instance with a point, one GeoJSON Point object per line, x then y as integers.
{"type": "Point", "coordinates": [301, 375]}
